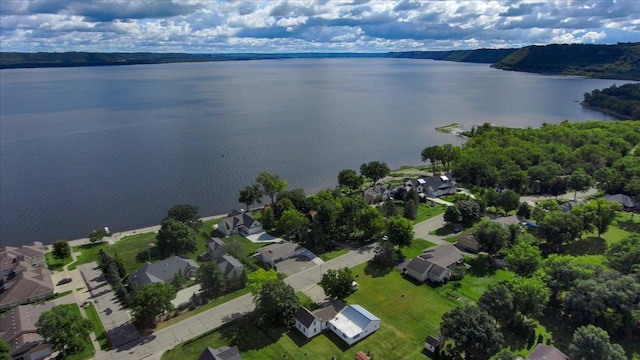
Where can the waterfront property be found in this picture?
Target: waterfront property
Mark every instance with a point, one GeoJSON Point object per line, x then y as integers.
{"type": "Point", "coordinates": [18, 329]}
{"type": "Point", "coordinates": [25, 278]}
{"type": "Point", "coordinates": [239, 222]}
{"type": "Point", "coordinates": [434, 264]}
{"type": "Point", "coordinates": [431, 186]}
{"type": "Point", "coordinates": [163, 270]}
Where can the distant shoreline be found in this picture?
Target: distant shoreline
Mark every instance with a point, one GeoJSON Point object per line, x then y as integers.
{"type": "Point", "coordinates": [605, 111]}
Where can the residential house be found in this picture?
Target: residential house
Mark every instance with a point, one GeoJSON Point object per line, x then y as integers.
{"type": "Point", "coordinates": [569, 205]}
{"type": "Point", "coordinates": [545, 352]}
{"type": "Point", "coordinates": [276, 252]}
{"type": "Point", "coordinates": [434, 264]}
{"type": "Point", "coordinates": [230, 266]}
{"type": "Point", "coordinates": [221, 353]}
{"type": "Point", "coordinates": [432, 344]}
{"type": "Point", "coordinates": [377, 193]}
{"type": "Point", "coordinates": [431, 186]}
{"type": "Point", "coordinates": [163, 270]}
{"type": "Point", "coordinates": [467, 242]}
{"type": "Point", "coordinates": [311, 323]}
{"type": "Point", "coordinates": [16, 259]}
{"type": "Point", "coordinates": [18, 329]}
{"type": "Point", "coordinates": [215, 248]}
{"type": "Point", "coordinates": [626, 201]}
{"type": "Point", "coordinates": [354, 323]}
{"type": "Point", "coordinates": [239, 222]}
{"type": "Point", "coordinates": [27, 286]}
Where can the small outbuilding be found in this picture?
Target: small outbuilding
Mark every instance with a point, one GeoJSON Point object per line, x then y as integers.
{"type": "Point", "coordinates": [432, 344]}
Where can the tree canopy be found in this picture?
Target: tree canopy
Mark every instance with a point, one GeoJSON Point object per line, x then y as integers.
{"type": "Point", "coordinates": [212, 280]}
{"type": "Point", "coordinates": [271, 184]}
{"type": "Point", "coordinates": [350, 179]}
{"type": "Point", "coordinates": [186, 214]}
{"type": "Point", "coordinates": [175, 237]}
{"type": "Point", "coordinates": [151, 301]}
{"type": "Point", "coordinates": [277, 303]}
{"type": "Point", "coordinates": [375, 170]}
{"type": "Point", "coordinates": [249, 195]}
{"type": "Point", "coordinates": [400, 231]}
{"type": "Point", "coordinates": [64, 328]}
{"type": "Point", "coordinates": [591, 342]}
{"type": "Point", "coordinates": [61, 249]}
{"type": "Point", "coordinates": [473, 331]}
{"type": "Point", "coordinates": [337, 283]}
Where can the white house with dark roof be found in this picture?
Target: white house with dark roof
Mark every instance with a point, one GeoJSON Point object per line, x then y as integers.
{"type": "Point", "coordinates": [434, 264]}
{"type": "Point", "coordinates": [163, 270]}
{"type": "Point", "coordinates": [354, 323]}
{"type": "Point", "coordinates": [312, 323]}
{"type": "Point", "coordinates": [431, 186]}
{"type": "Point", "coordinates": [239, 222]}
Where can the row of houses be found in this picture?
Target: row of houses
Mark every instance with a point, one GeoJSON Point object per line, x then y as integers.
{"type": "Point", "coordinates": [24, 275]}
{"type": "Point", "coordinates": [428, 186]}
{"type": "Point", "coordinates": [18, 329]}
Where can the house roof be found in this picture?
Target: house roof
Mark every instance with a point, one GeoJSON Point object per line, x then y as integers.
{"type": "Point", "coordinates": [18, 326]}
{"type": "Point", "coordinates": [419, 265]}
{"type": "Point", "coordinates": [444, 255]}
{"type": "Point", "coordinates": [278, 250]}
{"type": "Point", "coordinates": [329, 311]}
{"type": "Point", "coordinates": [433, 341]}
{"type": "Point", "coordinates": [305, 317]}
{"type": "Point", "coordinates": [468, 241]}
{"type": "Point", "coordinates": [508, 220]}
{"type": "Point", "coordinates": [162, 270]}
{"type": "Point", "coordinates": [236, 218]}
{"type": "Point", "coordinates": [31, 283]}
{"type": "Point", "coordinates": [545, 352]}
{"type": "Point", "coordinates": [229, 264]}
{"type": "Point", "coordinates": [214, 244]}
{"type": "Point", "coordinates": [625, 200]}
{"type": "Point", "coordinates": [221, 353]}
{"type": "Point", "coordinates": [352, 320]}
{"type": "Point", "coordinates": [437, 270]}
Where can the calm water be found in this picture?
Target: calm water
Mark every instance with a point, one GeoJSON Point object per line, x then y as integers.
{"type": "Point", "coordinates": [82, 148]}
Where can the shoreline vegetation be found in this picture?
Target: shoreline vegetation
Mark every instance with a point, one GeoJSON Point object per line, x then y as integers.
{"type": "Point", "coordinates": [592, 61]}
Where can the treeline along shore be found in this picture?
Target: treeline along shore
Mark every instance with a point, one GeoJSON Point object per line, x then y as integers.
{"type": "Point", "coordinates": [617, 61]}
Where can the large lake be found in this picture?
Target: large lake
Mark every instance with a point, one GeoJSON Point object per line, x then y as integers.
{"type": "Point", "coordinates": [82, 148]}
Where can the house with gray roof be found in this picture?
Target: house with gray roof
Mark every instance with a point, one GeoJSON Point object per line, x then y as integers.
{"type": "Point", "coordinates": [434, 264]}
{"type": "Point", "coordinates": [230, 266]}
{"type": "Point", "coordinates": [15, 259]}
{"type": "Point", "coordinates": [468, 242]}
{"type": "Point", "coordinates": [239, 222]}
{"type": "Point", "coordinates": [163, 270]}
{"type": "Point", "coordinates": [431, 186]}
{"type": "Point", "coordinates": [276, 252]}
{"type": "Point", "coordinates": [28, 286]}
{"type": "Point", "coordinates": [18, 329]}
{"type": "Point", "coordinates": [221, 353]}
{"type": "Point", "coordinates": [311, 323]}
{"type": "Point", "coordinates": [216, 248]}
{"type": "Point", "coordinates": [354, 323]}
{"type": "Point", "coordinates": [624, 200]}
{"type": "Point", "coordinates": [546, 352]}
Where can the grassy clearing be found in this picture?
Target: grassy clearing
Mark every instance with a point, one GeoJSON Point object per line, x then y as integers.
{"type": "Point", "coordinates": [426, 211]}
{"type": "Point", "coordinates": [56, 264]}
{"type": "Point", "coordinates": [408, 312]}
{"type": "Point", "coordinates": [98, 328]}
{"type": "Point", "coordinates": [88, 350]}
{"type": "Point", "coordinates": [416, 247]}
{"type": "Point", "coordinates": [471, 287]}
{"type": "Point", "coordinates": [333, 254]}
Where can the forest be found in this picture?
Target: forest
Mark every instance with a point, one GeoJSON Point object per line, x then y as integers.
{"type": "Point", "coordinates": [620, 101]}
{"type": "Point", "coordinates": [621, 61]}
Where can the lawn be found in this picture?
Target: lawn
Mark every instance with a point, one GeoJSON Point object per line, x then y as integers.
{"type": "Point", "coordinates": [333, 254]}
{"type": "Point", "coordinates": [473, 284]}
{"type": "Point", "coordinates": [426, 211]}
{"type": "Point", "coordinates": [98, 328]}
{"type": "Point", "coordinates": [416, 247]}
{"type": "Point", "coordinates": [408, 312]}
{"type": "Point", "coordinates": [56, 264]}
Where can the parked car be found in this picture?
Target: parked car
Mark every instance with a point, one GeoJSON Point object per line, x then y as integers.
{"type": "Point", "coordinates": [64, 281]}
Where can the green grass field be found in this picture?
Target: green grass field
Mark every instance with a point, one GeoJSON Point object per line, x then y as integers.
{"type": "Point", "coordinates": [56, 264]}
{"type": "Point", "coordinates": [98, 328]}
{"type": "Point", "coordinates": [426, 211]}
{"type": "Point", "coordinates": [416, 247]}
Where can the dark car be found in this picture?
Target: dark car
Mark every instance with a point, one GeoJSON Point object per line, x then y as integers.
{"type": "Point", "coordinates": [64, 281]}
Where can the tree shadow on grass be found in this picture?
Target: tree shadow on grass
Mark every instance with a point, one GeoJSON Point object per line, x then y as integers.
{"type": "Point", "coordinates": [246, 333]}
{"type": "Point", "coordinates": [445, 230]}
{"type": "Point", "coordinates": [560, 329]}
{"type": "Point", "coordinates": [521, 334]}
{"type": "Point", "coordinates": [630, 226]}
{"type": "Point", "coordinates": [589, 246]}
{"type": "Point", "coordinates": [374, 270]}
{"type": "Point", "coordinates": [143, 256]}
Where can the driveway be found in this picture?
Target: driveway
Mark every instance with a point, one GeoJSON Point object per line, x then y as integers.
{"type": "Point", "coordinates": [294, 265]}
{"type": "Point", "coordinates": [263, 237]}
{"type": "Point", "coordinates": [114, 317]}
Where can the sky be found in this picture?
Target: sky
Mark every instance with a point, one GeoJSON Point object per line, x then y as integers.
{"type": "Point", "coordinates": [209, 26]}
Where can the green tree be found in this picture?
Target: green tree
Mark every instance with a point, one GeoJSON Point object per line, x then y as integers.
{"type": "Point", "coordinates": [530, 295]}
{"type": "Point", "coordinates": [524, 210]}
{"type": "Point", "coordinates": [624, 255]}
{"type": "Point", "coordinates": [473, 332]}
{"type": "Point", "coordinates": [497, 300]}
{"type": "Point", "coordinates": [277, 304]}
{"type": "Point", "coordinates": [433, 154]}
{"type": "Point", "coordinates": [609, 180]}
{"type": "Point", "coordinates": [375, 170]}
{"type": "Point", "coordinates": [632, 188]}
{"type": "Point", "coordinates": [337, 283]}
{"type": "Point", "coordinates": [410, 210]}
{"type": "Point", "coordinates": [4, 350]}
{"type": "Point", "coordinates": [561, 274]}
{"type": "Point", "coordinates": [469, 210]}
{"type": "Point", "coordinates": [297, 197]}
{"type": "Point", "coordinates": [523, 258]}
{"type": "Point", "coordinates": [122, 270]}
{"type": "Point", "coordinates": [559, 227]}
{"type": "Point", "coordinates": [491, 236]}
{"type": "Point", "coordinates": [400, 231]}
{"type": "Point", "coordinates": [452, 215]}
{"type": "Point", "coordinates": [505, 354]}
{"type": "Point", "coordinates": [385, 256]}
{"type": "Point", "coordinates": [257, 279]}
{"type": "Point", "coordinates": [597, 214]}
{"type": "Point", "coordinates": [371, 223]}
{"type": "Point", "coordinates": [186, 214]}
{"type": "Point", "coordinates": [212, 280]}
{"type": "Point", "coordinates": [293, 225]}
{"type": "Point", "coordinates": [97, 235]}
{"type": "Point", "coordinates": [64, 328]}
{"type": "Point", "coordinates": [592, 343]}
{"type": "Point", "coordinates": [350, 179]}
{"type": "Point", "coordinates": [250, 195]}
{"type": "Point", "coordinates": [175, 237]}
{"type": "Point", "coordinates": [61, 249]}
{"type": "Point", "coordinates": [389, 208]}
{"type": "Point", "coordinates": [268, 218]}
{"type": "Point", "coordinates": [151, 301]}
{"type": "Point", "coordinates": [271, 184]}
{"type": "Point", "coordinates": [509, 200]}
{"type": "Point", "coordinates": [579, 180]}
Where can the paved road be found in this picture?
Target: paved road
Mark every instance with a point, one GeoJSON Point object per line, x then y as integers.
{"type": "Point", "coordinates": [423, 229]}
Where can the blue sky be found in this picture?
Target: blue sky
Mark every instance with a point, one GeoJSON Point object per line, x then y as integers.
{"type": "Point", "coordinates": [199, 26]}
